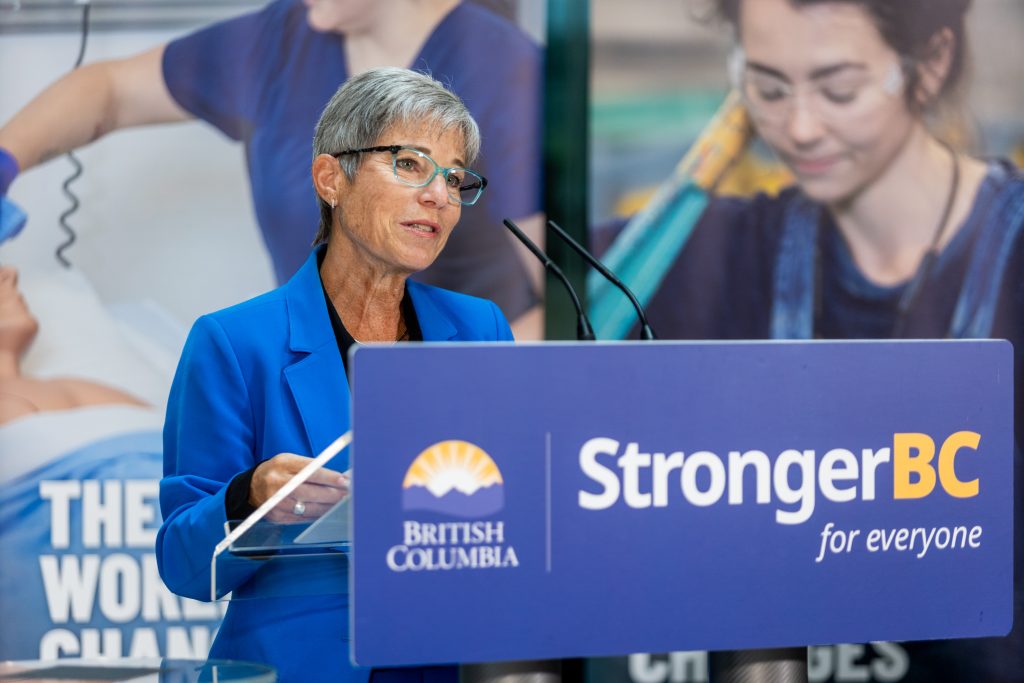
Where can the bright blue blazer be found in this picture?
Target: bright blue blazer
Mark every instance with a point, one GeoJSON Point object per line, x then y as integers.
{"type": "Point", "coordinates": [257, 379]}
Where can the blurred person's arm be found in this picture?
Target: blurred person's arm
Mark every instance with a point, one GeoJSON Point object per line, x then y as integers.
{"type": "Point", "coordinates": [88, 103]}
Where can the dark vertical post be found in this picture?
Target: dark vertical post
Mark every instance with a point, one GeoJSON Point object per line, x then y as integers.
{"type": "Point", "coordinates": [566, 152]}
{"type": "Point", "coordinates": [567, 175]}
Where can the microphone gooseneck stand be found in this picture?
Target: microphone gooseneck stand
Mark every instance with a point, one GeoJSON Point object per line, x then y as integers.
{"type": "Point", "coordinates": [646, 333]}
{"type": "Point", "coordinates": [750, 666]}
{"type": "Point", "coordinates": [584, 331]}
{"type": "Point", "coordinates": [742, 666]}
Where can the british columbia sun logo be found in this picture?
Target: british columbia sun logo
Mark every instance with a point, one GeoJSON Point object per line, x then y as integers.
{"type": "Point", "coordinates": [454, 478]}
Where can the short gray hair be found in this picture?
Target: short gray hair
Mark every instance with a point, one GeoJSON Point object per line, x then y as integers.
{"type": "Point", "coordinates": [368, 104]}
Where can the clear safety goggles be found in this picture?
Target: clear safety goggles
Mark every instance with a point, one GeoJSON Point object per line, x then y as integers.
{"type": "Point", "coordinates": [835, 95]}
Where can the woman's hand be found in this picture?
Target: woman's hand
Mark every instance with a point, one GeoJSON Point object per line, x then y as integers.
{"type": "Point", "coordinates": [313, 498]}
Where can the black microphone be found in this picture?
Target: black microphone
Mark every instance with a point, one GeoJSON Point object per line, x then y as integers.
{"type": "Point", "coordinates": [646, 333]}
{"type": "Point", "coordinates": [584, 332]}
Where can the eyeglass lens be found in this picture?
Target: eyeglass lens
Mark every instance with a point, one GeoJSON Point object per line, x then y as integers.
{"type": "Point", "coordinates": [417, 169]}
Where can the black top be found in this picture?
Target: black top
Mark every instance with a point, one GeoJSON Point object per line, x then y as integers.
{"type": "Point", "coordinates": [236, 498]}
{"type": "Point", "coordinates": [346, 341]}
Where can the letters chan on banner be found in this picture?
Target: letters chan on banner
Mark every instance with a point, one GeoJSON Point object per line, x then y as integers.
{"type": "Point", "coordinates": [109, 601]}
{"type": "Point", "coordinates": [792, 481]}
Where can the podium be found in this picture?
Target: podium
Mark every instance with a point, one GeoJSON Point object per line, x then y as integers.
{"type": "Point", "coordinates": [536, 502]}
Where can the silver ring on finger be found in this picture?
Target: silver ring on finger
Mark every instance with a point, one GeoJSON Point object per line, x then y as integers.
{"type": "Point", "coordinates": [299, 509]}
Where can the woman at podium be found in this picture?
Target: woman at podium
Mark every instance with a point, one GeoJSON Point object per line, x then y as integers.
{"type": "Point", "coordinates": [265, 380]}
{"type": "Point", "coordinates": [890, 231]}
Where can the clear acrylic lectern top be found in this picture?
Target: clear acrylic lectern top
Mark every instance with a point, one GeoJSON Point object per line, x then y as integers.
{"type": "Point", "coordinates": [291, 545]}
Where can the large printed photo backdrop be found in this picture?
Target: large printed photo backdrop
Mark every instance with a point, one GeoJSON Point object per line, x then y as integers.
{"type": "Point", "coordinates": [165, 232]}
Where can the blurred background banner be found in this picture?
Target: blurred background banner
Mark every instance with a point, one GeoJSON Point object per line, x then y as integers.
{"type": "Point", "coordinates": [658, 76]}
{"type": "Point", "coordinates": [164, 230]}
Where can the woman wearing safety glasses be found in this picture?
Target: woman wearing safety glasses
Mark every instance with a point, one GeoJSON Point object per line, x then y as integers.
{"type": "Point", "coordinates": [265, 380]}
{"type": "Point", "coordinates": [889, 231]}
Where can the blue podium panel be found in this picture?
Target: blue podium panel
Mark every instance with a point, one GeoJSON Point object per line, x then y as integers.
{"type": "Point", "coordinates": [532, 502]}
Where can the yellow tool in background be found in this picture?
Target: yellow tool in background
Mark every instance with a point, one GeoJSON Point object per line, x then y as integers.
{"type": "Point", "coordinates": [653, 238]}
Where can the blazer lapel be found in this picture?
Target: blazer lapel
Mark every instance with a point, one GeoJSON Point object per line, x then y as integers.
{"type": "Point", "coordinates": [317, 381]}
{"type": "Point", "coordinates": [434, 323]}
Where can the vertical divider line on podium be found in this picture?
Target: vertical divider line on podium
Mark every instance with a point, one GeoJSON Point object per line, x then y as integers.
{"type": "Point", "coordinates": [547, 502]}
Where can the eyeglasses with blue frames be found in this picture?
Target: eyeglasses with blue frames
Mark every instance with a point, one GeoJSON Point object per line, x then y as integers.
{"type": "Point", "coordinates": [415, 169]}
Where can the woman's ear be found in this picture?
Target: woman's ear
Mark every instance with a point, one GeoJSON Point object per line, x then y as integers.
{"type": "Point", "coordinates": [933, 70]}
{"type": "Point", "coordinates": [328, 178]}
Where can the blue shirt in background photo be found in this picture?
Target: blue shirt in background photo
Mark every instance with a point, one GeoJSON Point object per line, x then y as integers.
{"type": "Point", "coordinates": [264, 78]}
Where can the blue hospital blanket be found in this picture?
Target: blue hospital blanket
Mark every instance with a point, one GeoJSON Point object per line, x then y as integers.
{"type": "Point", "coordinates": [77, 567]}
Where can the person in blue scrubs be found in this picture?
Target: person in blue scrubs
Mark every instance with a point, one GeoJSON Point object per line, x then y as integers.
{"type": "Point", "coordinates": [263, 78]}
{"type": "Point", "coordinates": [262, 386]}
{"type": "Point", "coordinates": [889, 231]}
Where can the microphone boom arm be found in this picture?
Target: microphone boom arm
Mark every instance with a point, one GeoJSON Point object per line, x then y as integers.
{"type": "Point", "coordinates": [646, 333]}
{"type": "Point", "coordinates": [584, 331]}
